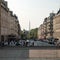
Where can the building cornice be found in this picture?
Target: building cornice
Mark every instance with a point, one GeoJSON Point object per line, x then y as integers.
{"type": "Point", "coordinates": [4, 6]}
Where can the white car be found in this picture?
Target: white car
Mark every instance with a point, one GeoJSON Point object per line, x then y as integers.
{"type": "Point", "coordinates": [6, 43]}
{"type": "Point", "coordinates": [12, 43]}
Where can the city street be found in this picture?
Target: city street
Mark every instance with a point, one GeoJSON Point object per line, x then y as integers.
{"type": "Point", "coordinates": [30, 30]}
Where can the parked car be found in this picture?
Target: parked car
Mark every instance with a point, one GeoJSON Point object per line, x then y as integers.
{"type": "Point", "coordinates": [6, 43]}
{"type": "Point", "coordinates": [31, 43]}
{"type": "Point", "coordinates": [50, 40]}
{"type": "Point", "coordinates": [58, 43]}
{"type": "Point", "coordinates": [12, 43]}
{"type": "Point", "coordinates": [55, 41]}
{"type": "Point", "coordinates": [22, 42]}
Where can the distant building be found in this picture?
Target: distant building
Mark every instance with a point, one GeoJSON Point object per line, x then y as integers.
{"type": "Point", "coordinates": [10, 27]}
{"type": "Point", "coordinates": [56, 23]}
{"type": "Point", "coordinates": [45, 31]}
{"type": "Point", "coordinates": [45, 27]}
{"type": "Point", "coordinates": [41, 32]}
{"type": "Point", "coordinates": [49, 26]}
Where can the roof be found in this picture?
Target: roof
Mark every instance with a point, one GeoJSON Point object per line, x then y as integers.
{"type": "Point", "coordinates": [58, 11]}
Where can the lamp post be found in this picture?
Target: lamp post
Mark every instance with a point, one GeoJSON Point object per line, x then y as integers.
{"type": "Point", "coordinates": [0, 20]}
{"type": "Point", "coordinates": [29, 29]}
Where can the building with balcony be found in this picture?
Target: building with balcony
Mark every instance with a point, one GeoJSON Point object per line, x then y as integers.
{"type": "Point", "coordinates": [45, 30]}
{"type": "Point", "coordinates": [45, 27]}
{"type": "Point", "coordinates": [56, 25]}
{"type": "Point", "coordinates": [10, 27]}
{"type": "Point", "coordinates": [41, 32]}
{"type": "Point", "coordinates": [49, 26]}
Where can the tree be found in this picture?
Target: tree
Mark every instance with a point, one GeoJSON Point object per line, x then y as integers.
{"type": "Point", "coordinates": [33, 33]}
{"type": "Point", "coordinates": [24, 34]}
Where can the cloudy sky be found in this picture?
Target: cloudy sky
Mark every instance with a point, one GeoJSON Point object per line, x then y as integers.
{"type": "Point", "coordinates": [32, 10]}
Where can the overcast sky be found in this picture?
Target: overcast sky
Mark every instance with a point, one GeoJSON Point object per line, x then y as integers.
{"type": "Point", "coordinates": [33, 10]}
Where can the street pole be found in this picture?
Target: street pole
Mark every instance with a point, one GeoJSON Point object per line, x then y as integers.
{"type": "Point", "coordinates": [0, 20]}
{"type": "Point", "coordinates": [29, 29]}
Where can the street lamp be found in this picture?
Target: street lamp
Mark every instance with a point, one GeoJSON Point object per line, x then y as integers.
{"type": "Point", "coordinates": [0, 20]}
{"type": "Point", "coordinates": [29, 29]}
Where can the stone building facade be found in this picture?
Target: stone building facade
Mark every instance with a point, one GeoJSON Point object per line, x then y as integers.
{"type": "Point", "coordinates": [45, 27]}
{"type": "Point", "coordinates": [4, 20]}
{"type": "Point", "coordinates": [47, 31]}
{"type": "Point", "coordinates": [41, 32]}
{"type": "Point", "coordinates": [49, 25]}
{"type": "Point", "coordinates": [56, 25]}
{"type": "Point", "coordinates": [10, 27]}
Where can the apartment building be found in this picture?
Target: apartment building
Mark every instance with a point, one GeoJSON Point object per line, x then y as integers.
{"type": "Point", "coordinates": [49, 26]}
{"type": "Point", "coordinates": [46, 29]}
{"type": "Point", "coordinates": [4, 20]}
{"type": "Point", "coordinates": [10, 27]}
{"type": "Point", "coordinates": [56, 25]}
{"type": "Point", "coordinates": [41, 32]}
